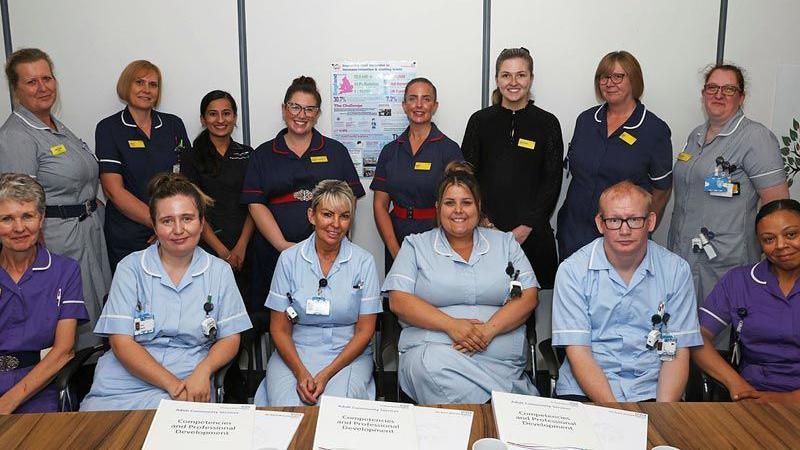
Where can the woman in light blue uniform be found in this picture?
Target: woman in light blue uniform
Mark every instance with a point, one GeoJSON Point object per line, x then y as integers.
{"type": "Point", "coordinates": [174, 313]}
{"type": "Point", "coordinates": [463, 324]}
{"type": "Point", "coordinates": [324, 299]}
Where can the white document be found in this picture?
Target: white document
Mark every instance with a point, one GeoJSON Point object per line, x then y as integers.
{"type": "Point", "coordinates": [526, 422]}
{"type": "Point", "coordinates": [274, 430]}
{"type": "Point", "coordinates": [350, 424]}
{"type": "Point", "coordinates": [442, 429]}
{"type": "Point", "coordinates": [618, 429]}
{"type": "Point", "coordinates": [200, 426]}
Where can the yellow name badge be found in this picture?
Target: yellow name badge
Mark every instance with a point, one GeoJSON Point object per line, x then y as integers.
{"type": "Point", "coordinates": [319, 159]}
{"type": "Point", "coordinates": [683, 156]}
{"type": "Point", "coordinates": [422, 166]}
{"type": "Point", "coordinates": [136, 144]}
{"type": "Point", "coordinates": [524, 143]}
{"type": "Point", "coordinates": [58, 150]}
{"type": "Point", "coordinates": [629, 139]}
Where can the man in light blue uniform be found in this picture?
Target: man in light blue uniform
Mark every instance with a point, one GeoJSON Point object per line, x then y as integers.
{"type": "Point", "coordinates": [141, 285]}
{"type": "Point", "coordinates": [352, 288]}
{"type": "Point", "coordinates": [624, 308]}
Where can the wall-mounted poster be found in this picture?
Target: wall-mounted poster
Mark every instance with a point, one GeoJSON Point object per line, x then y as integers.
{"type": "Point", "coordinates": [367, 101]}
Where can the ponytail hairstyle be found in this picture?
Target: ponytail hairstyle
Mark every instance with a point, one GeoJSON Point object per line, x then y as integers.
{"type": "Point", "coordinates": [506, 54]}
{"type": "Point", "coordinates": [168, 184]}
{"type": "Point", "coordinates": [459, 173]}
{"type": "Point", "coordinates": [303, 84]}
{"type": "Point", "coordinates": [204, 150]}
{"type": "Point", "coordinates": [784, 204]}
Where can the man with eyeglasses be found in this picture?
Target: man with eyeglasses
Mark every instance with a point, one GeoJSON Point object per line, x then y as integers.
{"type": "Point", "coordinates": [624, 309]}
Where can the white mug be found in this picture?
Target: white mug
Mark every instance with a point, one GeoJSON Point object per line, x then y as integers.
{"type": "Point", "coordinates": [665, 447]}
{"type": "Point", "coordinates": [489, 444]}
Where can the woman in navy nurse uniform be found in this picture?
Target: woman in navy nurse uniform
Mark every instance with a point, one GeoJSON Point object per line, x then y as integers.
{"type": "Point", "coordinates": [281, 175]}
{"type": "Point", "coordinates": [332, 286]}
{"type": "Point", "coordinates": [133, 145]}
{"type": "Point", "coordinates": [618, 140]}
{"type": "Point", "coordinates": [409, 170]}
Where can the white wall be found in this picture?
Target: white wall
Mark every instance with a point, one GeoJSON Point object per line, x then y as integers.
{"type": "Point", "coordinates": [567, 39]}
{"type": "Point", "coordinates": [285, 41]}
{"type": "Point", "coordinates": [761, 36]}
{"type": "Point", "coordinates": [194, 43]}
{"type": "Point", "coordinates": [5, 102]}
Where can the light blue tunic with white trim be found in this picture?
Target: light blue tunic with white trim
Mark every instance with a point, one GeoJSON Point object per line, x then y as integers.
{"type": "Point", "coordinates": [177, 343]}
{"type": "Point", "coordinates": [352, 290]}
{"type": "Point", "coordinates": [593, 306]}
{"type": "Point", "coordinates": [431, 370]}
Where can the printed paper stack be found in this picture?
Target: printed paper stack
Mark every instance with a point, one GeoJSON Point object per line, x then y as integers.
{"type": "Point", "coordinates": [351, 424]}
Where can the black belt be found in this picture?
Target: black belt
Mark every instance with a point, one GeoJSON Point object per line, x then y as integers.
{"type": "Point", "coordinates": [81, 211]}
{"type": "Point", "coordinates": [18, 360]}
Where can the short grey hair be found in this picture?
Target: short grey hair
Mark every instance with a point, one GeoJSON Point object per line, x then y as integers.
{"type": "Point", "coordinates": [22, 188]}
{"type": "Point", "coordinates": [333, 192]}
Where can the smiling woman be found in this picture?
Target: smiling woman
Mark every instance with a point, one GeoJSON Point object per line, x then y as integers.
{"type": "Point", "coordinates": [323, 304]}
{"type": "Point", "coordinates": [133, 145]}
{"type": "Point", "coordinates": [34, 142]}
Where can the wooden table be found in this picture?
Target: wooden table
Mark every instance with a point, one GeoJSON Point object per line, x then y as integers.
{"type": "Point", "coordinates": [683, 425]}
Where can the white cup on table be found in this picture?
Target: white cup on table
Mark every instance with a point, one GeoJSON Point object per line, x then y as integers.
{"type": "Point", "coordinates": [489, 444]}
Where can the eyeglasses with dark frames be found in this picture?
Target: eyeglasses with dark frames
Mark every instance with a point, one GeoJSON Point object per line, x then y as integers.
{"type": "Point", "coordinates": [728, 90]}
{"type": "Point", "coordinates": [615, 223]}
{"type": "Point", "coordinates": [615, 78]}
{"type": "Point", "coordinates": [295, 109]}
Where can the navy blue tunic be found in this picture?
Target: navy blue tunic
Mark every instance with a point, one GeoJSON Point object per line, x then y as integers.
{"type": "Point", "coordinates": [123, 148]}
{"type": "Point", "coordinates": [274, 170]}
{"type": "Point", "coordinates": [411, 180]}
{"type": "Point", "coordinates": [639, 151]}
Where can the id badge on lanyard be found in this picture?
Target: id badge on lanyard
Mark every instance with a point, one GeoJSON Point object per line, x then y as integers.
{"type": "Point", "coordinates": [143, 323]}
{"type": "Point", "coordinates": [318, 306]}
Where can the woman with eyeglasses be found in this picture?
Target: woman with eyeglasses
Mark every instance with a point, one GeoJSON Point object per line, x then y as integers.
{"type": "Point", "coordinates": [282, 174]}
{"type": "Point", "coordinates": [615, 141]}
{"type": "Point", "coordinates": [729, 165]}
{"type": "Point", "coordinates": [517, 150]}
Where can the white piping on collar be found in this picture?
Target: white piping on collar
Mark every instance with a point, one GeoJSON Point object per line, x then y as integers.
{"type": "Point", "coordinates": [49, 261]}
{"type": "Point", "coordinates": [154, 274]}
{"type": "Point", "coordinates": [482, 238]}
{"type": "Point", "coordinates": [591, 258]}
{"type": "Point", "coordinates": [641, 119]}
{"type": "Point", "coordinates": [30, 124]}
{"type": "Point", "coordinates": [122, 116]}
{"type": "Point", "coordinates": [753, 274]}
{"type": "Point", "coordinates": [734, 128]}
{"type": "Point", "coordinates": [436, 245]}
{"type": "Point", "coordinates": [310, 261]}
{"type": "Point", "coordinates": [208, 263]}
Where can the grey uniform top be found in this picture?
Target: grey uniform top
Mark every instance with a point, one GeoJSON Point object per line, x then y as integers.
{"type": "Point", "coordinates": [755, 152]}
{"type": "Point", "coordinates": [67, 169]}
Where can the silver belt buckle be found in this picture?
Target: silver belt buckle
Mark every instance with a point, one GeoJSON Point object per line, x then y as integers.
{"type": "Point", "coordinates": [8, 363]}
{"type": "Point", "coordinates": [304, 195]}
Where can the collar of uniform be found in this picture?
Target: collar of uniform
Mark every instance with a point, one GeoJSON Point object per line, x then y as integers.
{"type": "Point", "coordinates": [434, 135]}
{"type": "Point", "coordinates": [43, 258]}
{"type": "Point", "coordinates": [480, 245]}
{"type": "Point", "coordinates": [728, 129]}
{"type": "Point", "coordinates": [151, 263]}
{"type": "Point", "coordinates": [309, 254]}
{"type": "Point", "coordinates": [127, 118]}
{"type": "Point", "coordinates": [761, 274]}
{"type": "Point", "coordinates": [505, 110]}
{"type": "Point", "coordinates": [279, 143]}
{"type": "Point", "coordinates": [634, 121]}
{"type": "Point", "coordinates": [34, 122]}
{"type": "Point", "coordinates": [598, 260]}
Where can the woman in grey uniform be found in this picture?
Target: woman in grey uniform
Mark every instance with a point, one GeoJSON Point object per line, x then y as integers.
{"type": "Point", "coordinates": [729, 164]}
{"type": "Point", "coordinates": [34, 142]}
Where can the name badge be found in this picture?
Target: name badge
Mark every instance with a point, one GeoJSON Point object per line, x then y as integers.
{"type": "Point", "coordinates": [524, 143]}
{"type": "Point", "coordinates": [422, 166]}
{"type": "Point", "coordinates": [58, 149]}
{"type": "Point", "coordinates": [319, 159]}
{"type": "Point", "coordinates": [668, 347]}
{"type": "Point", "coordinates": [136, 144]}
{"type": "Point", "coordinates": [627, 137]}
{"type": "Point", "coordinates": [318, 306]}
{"type": "Point", "coordinates": [683, 156]}
{"type": "Point", "coordinates": [715, 183]}
{"type": "Point", "coordinates": [143, 323]}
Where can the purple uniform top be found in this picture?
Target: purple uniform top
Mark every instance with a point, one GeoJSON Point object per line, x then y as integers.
{"type": "Point", "coordinates": [770, 331]}
{"type": "Point", "coordinates": [49, 291]}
